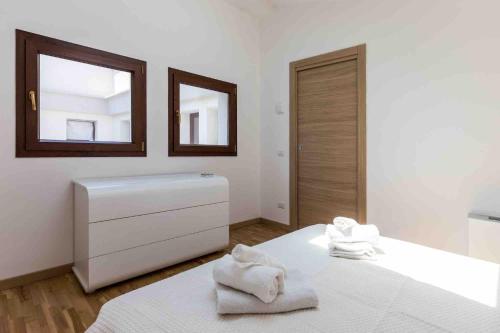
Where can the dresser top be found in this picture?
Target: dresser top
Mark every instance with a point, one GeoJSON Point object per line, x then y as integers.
{"type": "Point", "coordinates": [96, 183]}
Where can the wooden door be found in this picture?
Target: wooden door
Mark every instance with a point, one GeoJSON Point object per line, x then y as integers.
{"type": "Point", "coordinates": [329, 174]}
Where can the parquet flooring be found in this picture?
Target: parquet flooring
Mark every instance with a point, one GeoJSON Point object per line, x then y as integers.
{"type": "Point", "coordinates": [59, 304]}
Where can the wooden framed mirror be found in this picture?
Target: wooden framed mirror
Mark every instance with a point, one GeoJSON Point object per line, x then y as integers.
{"type": "Point", "coordinates": [75, 101]}
{"type": "Point", "coordinates": [202, 115]}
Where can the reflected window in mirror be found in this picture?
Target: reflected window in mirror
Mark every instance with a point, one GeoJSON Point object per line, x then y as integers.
{"type": "Point", "coordinates": [80, 130]}
{"type": "Point", "coordinates": [202, 115]}
{"type": "Point", "coordinates": [78, 101]}
{"type": "Point", "coordinates": [83, 93]}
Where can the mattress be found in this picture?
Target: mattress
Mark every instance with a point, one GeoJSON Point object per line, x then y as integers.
{"type": "Point", "coordinates": [411, 288]}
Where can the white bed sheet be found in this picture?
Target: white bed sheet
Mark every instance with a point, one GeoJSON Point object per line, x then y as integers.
{"type": "Point", "coordinates": [411, 288]}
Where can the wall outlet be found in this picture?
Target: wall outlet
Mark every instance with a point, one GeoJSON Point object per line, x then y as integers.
{"type": "Point", "coordinates": [281, 205]}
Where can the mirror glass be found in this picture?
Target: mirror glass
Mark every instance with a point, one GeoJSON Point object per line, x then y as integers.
{"type": "Point", "coordinates": [203, 116]}
{"type": "Point", "coordinates": [83, 102]}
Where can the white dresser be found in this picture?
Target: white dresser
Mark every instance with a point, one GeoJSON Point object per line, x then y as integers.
{"type": "Point", "coordinates": [484, 233]}
{"type": "Point", "coordinates": [127, 226]}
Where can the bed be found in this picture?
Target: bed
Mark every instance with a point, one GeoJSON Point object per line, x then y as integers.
{"type": "Point", "coordinates": [411, 288]}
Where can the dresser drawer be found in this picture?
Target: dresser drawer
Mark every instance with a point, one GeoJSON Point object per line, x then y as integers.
{"type": "Point", "coordinates": [113, 199]}
{"type": "Point", "coordinates": [104, 270]}
{"type": "Point", "coordinates": [116, 235]}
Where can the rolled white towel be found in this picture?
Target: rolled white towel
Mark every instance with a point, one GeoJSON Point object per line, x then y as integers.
{"type": "Point", "coordinates": [358, 233]}
{"type": "Point", "coordinates": [264, 282]}
{"type": "Point", "coordinates": [249, 255]}
{"type": "Point", "coordinates": [356, 247]}
{"type": "Point", "coordinates": [299, 295]}
{"type": "Point", "coordinates": [342, 222]}
{"type": "Point", "coordinates": [348, 239]}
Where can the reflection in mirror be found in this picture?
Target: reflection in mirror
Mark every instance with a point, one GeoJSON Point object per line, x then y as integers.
{"type": "Point", "coordinates": [82, 102]}
{"type": "Point", "coordinates": [203, 116]}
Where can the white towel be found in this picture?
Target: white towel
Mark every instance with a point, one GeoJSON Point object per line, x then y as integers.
{"type": "Point", "coordinates": [357, 250]}
{"type": "Point", "coordinates": [357, 247]}
{"type": "Point", "coordinates": [249, 255]}
{"type": "Point", "coordinates": [350, 255]}
{"type": "Point", "coordinates": [351, 240]}
{"type": "Point", "coordinates": [357, 233]}
{"type": "Point", "coordinates": [262, 281]}
{"type": "Point", "coordinates": [342, 222]}
{"type": "Point", "coordinates": [299, 295]}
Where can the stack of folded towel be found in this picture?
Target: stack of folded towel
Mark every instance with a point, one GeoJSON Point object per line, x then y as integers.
{"type": "Point", "coordinates": [250, 281]}
{"type": "Point", "coordinates": [348, 239]}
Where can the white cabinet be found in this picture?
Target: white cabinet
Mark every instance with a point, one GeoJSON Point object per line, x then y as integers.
{"type": "Point", "coordinates": [127, 226]}
{"type": "Point", "coordinates": [484, 233]}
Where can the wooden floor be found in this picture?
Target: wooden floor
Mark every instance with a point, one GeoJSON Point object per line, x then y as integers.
{"type": "Point", "coordinates": [60, 305]}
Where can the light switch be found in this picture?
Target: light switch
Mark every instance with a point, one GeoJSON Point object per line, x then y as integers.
{"type": "Point", "coordinates": [278, 109]}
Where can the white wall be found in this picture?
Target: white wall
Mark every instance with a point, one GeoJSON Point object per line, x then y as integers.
{"type": "Point", "coordinates": [433, 83]}
{"type": "Point", "coordinates": [212, 110]}
{"type": "Point", "coordinates": [122, 130]}
{"type": "Point", "coordinates": [53, 125]}
{"type": "Point", "coordinates": [119, 103]}
{"type": "Point", "coordinates": [57, 108]}
{"type": "Point", "coordinates": [222, 119]}
{"type": "Point", "coordinates": [206, 37]}
{"type": "Point", "coordinates": [212, 126]}
{"type": "Point", "coordinates": [74, 103]}
{"type": "Point", "coordinates": [185, 128]}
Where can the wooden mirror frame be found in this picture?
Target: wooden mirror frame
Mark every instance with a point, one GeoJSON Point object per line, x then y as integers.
{"type": "Point", "coordinates": [175, 79]}
{"type": "Point", "coordinates": [28, 48]}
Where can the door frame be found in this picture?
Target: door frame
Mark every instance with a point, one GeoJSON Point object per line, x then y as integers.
{"type": "Point", "coordinates": [357, 53]}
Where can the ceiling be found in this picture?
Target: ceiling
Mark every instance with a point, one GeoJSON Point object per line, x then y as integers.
{"type": "Point", "coordinates": [261, 8]}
